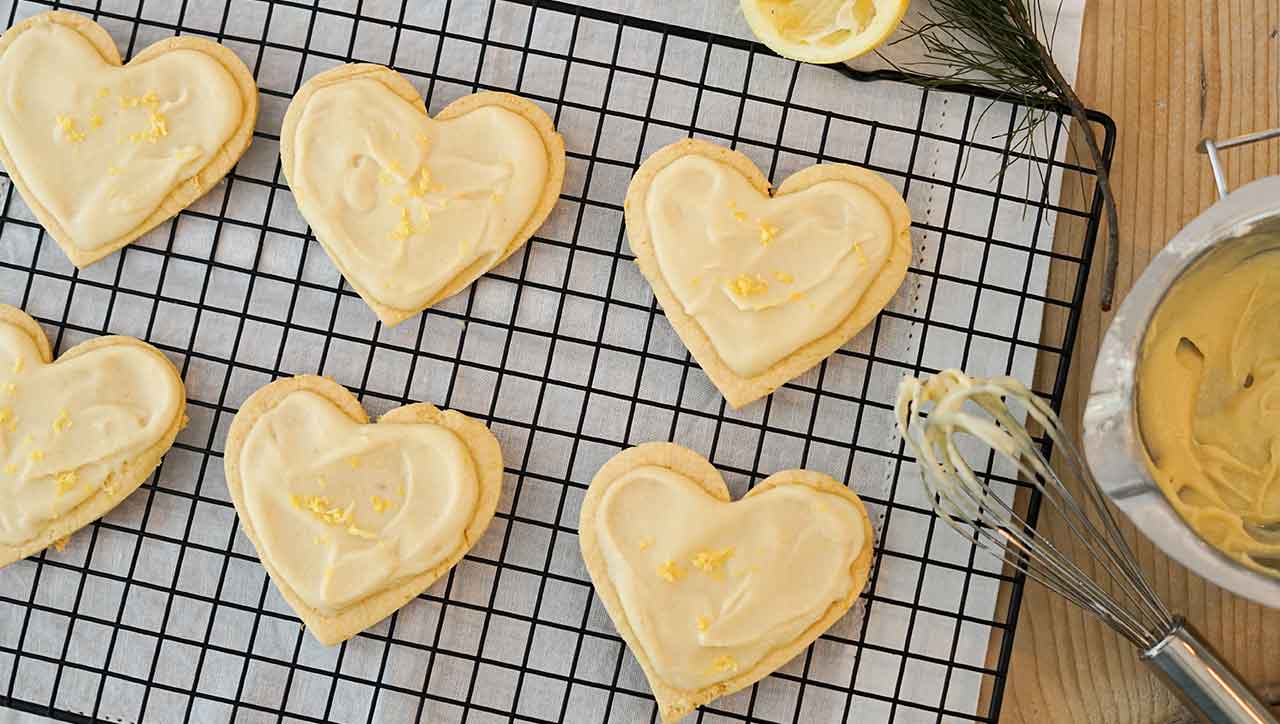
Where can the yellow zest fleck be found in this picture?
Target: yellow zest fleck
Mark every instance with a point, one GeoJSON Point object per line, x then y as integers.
{"type": "Point", "coordinates": [422, 183]}
{"type": "Point", "coordinates": [112, 170]}
{"type": "Point", "coordinates": [426, 215]}
{"type": "Point", "coordinates": [784, 277]}
{"type": "Point", "coordinates": [60, 545]}
{"type": "Point", "coordinates": [69, 129]}
{"type": "Point", "coordinates": [109, 484]}
{"type": "Point", "coordinates": [11, 468]}
{"type": "Point", "coordinates": [400, 489]}
{"type": "Point", "coordinates": [746, 285]}
{"type": "Point", "coordinates": [695, 281]}
{"type": "Point", "coordinates": [66, 480]}
{"type": "Point", "coordinates": [385, 178]}
{"type": "Point", "coordinates": [670, 571]}
{"type": "Point", "coordinates": [710, 561]}
{"type": "Point", "coordinates": [645, 542]}
{"type": "Point", "coordinates": [103, 92]}
{"type": "Point", "coordinates": [704, 623]}
{"type": "Point", "coordinates": [795, 296]}
{"type": "Point", "coordinates": [319, 540]}
{"type": "Point", "coordinates": [150, 100]}
{"type": "Point", "coordinates": [404, 229]}
{"type": "Point", "coordinates": [380, 504]}
{"type": "Point", "coordinates": [95, 120]}
{"type": "Point", "coordinates": [395, 167]}
{"type": "Point", "coordinates": [323, 509]}
{"type": "Point", "coordinates": [740, 215]}
{"type": "Point", "coordinates": [397, 199]}
{"type": "Point", "coordinates": [354, 462]}
{"type": "Point", "coordinates": [62, 422]}
{"type": "Point", "coordinates": [37, 455]}
{"type": "Point", "coordinates": [724, 664]}
{"type": "Point", "coordinates": [17, 364]}
{"type": "Point", "coordinates": [767, 232]}
{"type": "Point", "coordinates": [861, 256]}
{"type": "Point", "coordinates": [423, 140]}
{"type": "Point", "coordinates": [5, 414]}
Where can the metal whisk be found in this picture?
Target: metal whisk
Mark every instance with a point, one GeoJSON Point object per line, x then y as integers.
{"type": "Point", "coordinates": [969, 410]}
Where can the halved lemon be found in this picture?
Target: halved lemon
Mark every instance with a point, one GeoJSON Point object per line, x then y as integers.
{"type": "Point", "coordinates": [823, 31]}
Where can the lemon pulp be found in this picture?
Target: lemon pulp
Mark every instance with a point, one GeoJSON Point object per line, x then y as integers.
{"type": "Point", "coordinates": [823, 31]}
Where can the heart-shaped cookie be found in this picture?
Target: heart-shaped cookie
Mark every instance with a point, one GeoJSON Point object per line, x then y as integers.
{"type": "Point", "coordinates": [102, 152]}
{"type": "Point", "coordinates": [77, 436]}
{"type": "Point", "coordinates": [760, 288]}
{"type": "Point", "coordinates": [351, 519]}
{"type": "Point", "coordinates": [411, 208]}
{"type": "Point", "coordinates": [712, 595]}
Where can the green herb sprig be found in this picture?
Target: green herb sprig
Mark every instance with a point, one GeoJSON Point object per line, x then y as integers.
{"type": "Point", "coordinates": [1001, 45]}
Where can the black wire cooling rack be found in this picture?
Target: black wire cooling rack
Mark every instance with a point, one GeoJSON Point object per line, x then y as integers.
{"type": "Point", "coordinates": [160, 612]}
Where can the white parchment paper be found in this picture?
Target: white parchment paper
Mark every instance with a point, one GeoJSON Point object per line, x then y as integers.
{"type": "Point", "coordinates": [236, 294]}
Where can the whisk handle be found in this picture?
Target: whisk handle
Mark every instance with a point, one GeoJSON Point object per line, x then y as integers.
{"type": "Point", "coordinates": [1206, 685]}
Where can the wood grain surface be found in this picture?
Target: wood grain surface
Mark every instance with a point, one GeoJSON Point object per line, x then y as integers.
{"type": "Point", "coordinates": [1170, 72]}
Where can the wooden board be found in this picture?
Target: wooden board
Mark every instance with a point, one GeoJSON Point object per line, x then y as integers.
{"type": "Point", "coordinates": [1170, 72]}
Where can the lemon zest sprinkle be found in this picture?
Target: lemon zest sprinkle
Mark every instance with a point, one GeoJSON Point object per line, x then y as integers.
{"type": "Point", "coordinates": [704, 623]}
{"type": "Point", "coordinates": [95, 120]}
{"type": "Point", "coordinates": [670, 571]}
{"type": "Point", "coordinates": [37, 455]}
{"type": "Point", "coordinates": [784, 277]}
{"type": "Point", "coordinates": [645, 542]}
{"type": "Point", "coordinates": [69, 129]}
{"type": "Point", "coordinates": [63, 421]}
{"type": "Point", "coordinates": [745, 285]}
{"type": "Point", "coordinates": [67, 479]}
{"type": "Point", "coordinates": [767, 233]}
{"type": "Point", "coordinates": [860, 254]}
{"type": "Point", "coordinates": [380, 504]}
{"type": "Point", "coordinates": [724, 664]}
{"type": "Point", "coordinates": [710, 561]}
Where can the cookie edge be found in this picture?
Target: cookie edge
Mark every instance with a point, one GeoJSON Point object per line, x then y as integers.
{"type": "Point", "coordinates": [737, 389]}
{"type": "Point", "coordinates": [675, 703]}
{"type": "Point", "coordinates": [552, 141]}
{"type": "Point", "coordinates": [481, 444]}
{"type": "Point", "coordinates": [141, 467]}
{"type": "Point", "coordinates": [186, 192]}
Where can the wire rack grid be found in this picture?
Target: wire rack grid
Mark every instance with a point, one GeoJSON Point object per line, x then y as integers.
{"type": "Point", "coordinates": [161, 612]}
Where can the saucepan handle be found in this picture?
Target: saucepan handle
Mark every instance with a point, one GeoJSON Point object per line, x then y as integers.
{"type": "Point", "coordinates": [1212, 147]}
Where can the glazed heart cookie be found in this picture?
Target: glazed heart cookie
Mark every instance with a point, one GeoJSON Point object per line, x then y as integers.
{"type": "Point", "coordinates": [77, 436]}
{"type": "Point", "coordinates": [351, 519]}
{"type": "Point", "coordinates": [760, 288]}
{"type": "Point", "coordinates": [712, 595]}
{"type": "Point", "coordinates": [101, 152]}
{"type": "Point", "coordinates": [411, 208]}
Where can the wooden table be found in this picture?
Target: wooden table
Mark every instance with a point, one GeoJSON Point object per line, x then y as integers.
{"type": "Point", "coordinates": [1170, 72]}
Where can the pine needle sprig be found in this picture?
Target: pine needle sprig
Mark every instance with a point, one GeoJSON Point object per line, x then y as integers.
{"type": "Point", "coordinates": [1003, 45]}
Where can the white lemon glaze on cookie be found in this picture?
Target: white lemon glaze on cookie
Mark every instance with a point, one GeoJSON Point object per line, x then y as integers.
{"type": "Point", "coordinates": [353, 519]}
{"type": "Point", "coordinates": [412, 208]}
{"type": "Point", "coordinates": [103, 152]}
{"type": "Point", "coordinates": [761, 275]}
{"type": "Point", "coordinates": [77, 429]}
{"type": "Point", "coordinates": [712, 595]}
{"type": "Point", "coordinates": [342, 508]}
{"type": "Point", "coordinates": [711, 587]}
{"type": "Point", "coordinates": [760, 285]}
